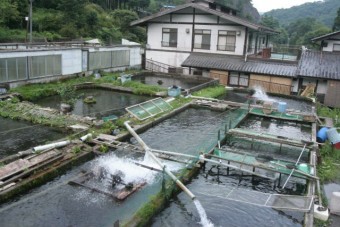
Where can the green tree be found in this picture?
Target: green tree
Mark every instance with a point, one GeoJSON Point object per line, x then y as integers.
{"type": "Point", "coordinates": [8, 12]}
{"type": "Point", "coordinates": [336, 25]}
{"type": "Point", "coordinates": [270, 22]}
{"type": "Point", "coordinates": [302, 30]}
{"type": "Point", "coordinates": [123, 18]}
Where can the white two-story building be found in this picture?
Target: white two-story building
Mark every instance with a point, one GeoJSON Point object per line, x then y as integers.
{"type": "Point", "coordinates": [201, 27]}
{"type": "Point", "coordinates": [208, 39]}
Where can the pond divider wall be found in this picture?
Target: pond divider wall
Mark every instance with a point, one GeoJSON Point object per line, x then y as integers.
{"type": "Point", "coordinates": [44, 176]}
{"type": "Point", "coordinates": [159, 201]}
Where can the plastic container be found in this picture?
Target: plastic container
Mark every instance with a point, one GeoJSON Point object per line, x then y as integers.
{"type": "Point", "coordinates": [282, 106]}
{"type": "Point", "coordinates": [321, 213]}
{"type": "Point", "coordinates": [321, 136]}
{"type": "Point", "coordinates": [333, 136]}
{"type": "Point", "coordinates": [174, 91]}
{"type": "Point", "coordinates": [334, 205]}
{"type": "Point", "coordinates": [125, 78]}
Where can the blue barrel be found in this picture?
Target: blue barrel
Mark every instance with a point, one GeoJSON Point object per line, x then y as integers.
{"type": "Point", "coordinates": [333, 136]}
{"type": "Point", "coordinates": [321, 136]}
{"type": "Point", "coordinates": [282, 107]}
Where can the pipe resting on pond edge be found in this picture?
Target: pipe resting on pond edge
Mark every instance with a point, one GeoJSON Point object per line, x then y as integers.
{"type": "Point", "coordinates": [149, 151]}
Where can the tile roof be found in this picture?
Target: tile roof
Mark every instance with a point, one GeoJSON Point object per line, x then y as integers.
{"type": "Point", "coordinates": [320, 64]}
{"type": "Point", "coordinates": [236, 63]}
{"type": "Point", "coordinates": [223, 15]}
{"type": "Point", "coordinates": [327, 36]}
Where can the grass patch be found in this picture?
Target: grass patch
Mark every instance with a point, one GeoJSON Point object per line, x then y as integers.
{"type": "Point", "coordinates": [324, 111]}
{"type": "Point", "coordinates": [328, 170]}
{"type": "Point", "coordinates": [28, 112]}
{"type": "Point", "coordinates": [32, 92]}
{"type": "Point", "coordinates": [211, 92]}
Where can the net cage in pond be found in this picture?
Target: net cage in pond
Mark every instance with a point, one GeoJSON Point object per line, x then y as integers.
{"type": "Point", "coordinates": [149, 108]}
{"type": "Point", "coordinates": [232, 119]}
{"type": "Point", "coordinates": [276, 201]}
{"type": "Point", "coordinates": [274, 149]}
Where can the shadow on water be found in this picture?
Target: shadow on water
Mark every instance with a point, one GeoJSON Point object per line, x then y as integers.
{"type": "Point", "coordinates": [107, 102]}
{"type": "Point", "coordinates": [210, 189]}
{"type": "Point", "coordinates": [18, 136]}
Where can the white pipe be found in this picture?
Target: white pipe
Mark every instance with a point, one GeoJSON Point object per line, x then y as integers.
{"type": "Point", "coordinates": [148, 150]}
{"type": "Point", "coordinates": [83, 138]}
{"type": "Point", "coordinates": [51, 145]}
{"type": "Point", "coordinates": [291, 173]}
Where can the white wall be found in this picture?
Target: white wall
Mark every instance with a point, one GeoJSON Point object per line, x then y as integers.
{"type": "Point", "coordinates": [71, 62]}
{"type": "Point", "coordinates": [184, 39]}
{"type": "Point", "coordinates": [71, 59]}
{"type": "Point", "coordinates": [170, 58]}
{"type": "Point", "coordinates": [135, 56]}
{"type": "Point", "coordinates": [295, 86]}
{"type": "Point", "coordinates": [322, 87]}
{"type": "Point", "coordinates": [330, 44]}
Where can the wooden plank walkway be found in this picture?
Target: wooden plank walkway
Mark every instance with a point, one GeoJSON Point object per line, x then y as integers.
{"type": "Point", "coordinates": [21, 165]}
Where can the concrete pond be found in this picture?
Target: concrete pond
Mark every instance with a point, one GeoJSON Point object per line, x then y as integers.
{"type": "Point", "coordinates": [83, 194]}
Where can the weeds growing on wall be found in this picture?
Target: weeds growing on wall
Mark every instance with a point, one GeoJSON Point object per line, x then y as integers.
{"type": "Point", "coordinates": [334, 113]}
{"type": "Point", "coordinates": [329, 168]}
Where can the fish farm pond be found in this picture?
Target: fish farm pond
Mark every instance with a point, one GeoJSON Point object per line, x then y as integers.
{"type": "Point", "coordinates": [128, 159]}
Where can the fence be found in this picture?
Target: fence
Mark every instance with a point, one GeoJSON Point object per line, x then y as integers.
{"type": "Point", "coordinates": [271, 87]}
{"type": "Point", "coordinates": [22, 68]}
{"type": "Point", "coordinates": [109, 59]}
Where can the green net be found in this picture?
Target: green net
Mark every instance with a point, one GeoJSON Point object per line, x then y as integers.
{"type": "Point", "coordinates": [232, 119]}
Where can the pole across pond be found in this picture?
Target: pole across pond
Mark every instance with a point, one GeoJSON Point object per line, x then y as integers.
{"type": "Point", "coordinates": [148, 150]}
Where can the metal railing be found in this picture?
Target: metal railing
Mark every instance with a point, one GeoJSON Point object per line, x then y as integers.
{"type": "Point", "coordinates": [156, 66]}
{"type": "Point", "coordinates": [277, 52]}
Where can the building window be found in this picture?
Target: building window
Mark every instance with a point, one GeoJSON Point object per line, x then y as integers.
{"type": "Point", "coordinates": [238, 79]}
{"type": "Point", "coordinates": [169, 37]}
{"type": "Point", "coordinates": [226, 40]}
{"type": "Point", "coordinates": [202, 39]}
{"type": "Point", "coordinates": [336, 47]}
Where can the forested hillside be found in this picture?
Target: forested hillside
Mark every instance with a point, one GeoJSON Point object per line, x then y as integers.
{"type": "Point", "coordinates": [323, 11]}
{"type": "Point", "coordinates": [108, 20]}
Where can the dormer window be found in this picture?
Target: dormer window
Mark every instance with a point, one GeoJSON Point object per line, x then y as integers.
{"type": "Point", "coordinates": [169, 37]}
{"type": "Point", "coordinates": [202, 39]}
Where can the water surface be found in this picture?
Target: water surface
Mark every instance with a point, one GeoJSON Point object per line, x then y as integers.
{"type": "Point", "coordinates": [107, 102]}
{"type": "Point", "coordinates": [18, 136]}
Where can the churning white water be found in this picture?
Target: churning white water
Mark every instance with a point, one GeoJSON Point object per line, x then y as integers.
{"type": "Point", "coordinates": [205, 222]}
{"type": "Point", "coordinates": [125, 168]}
{"type": "Point", "coordinates": [260, 94]}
